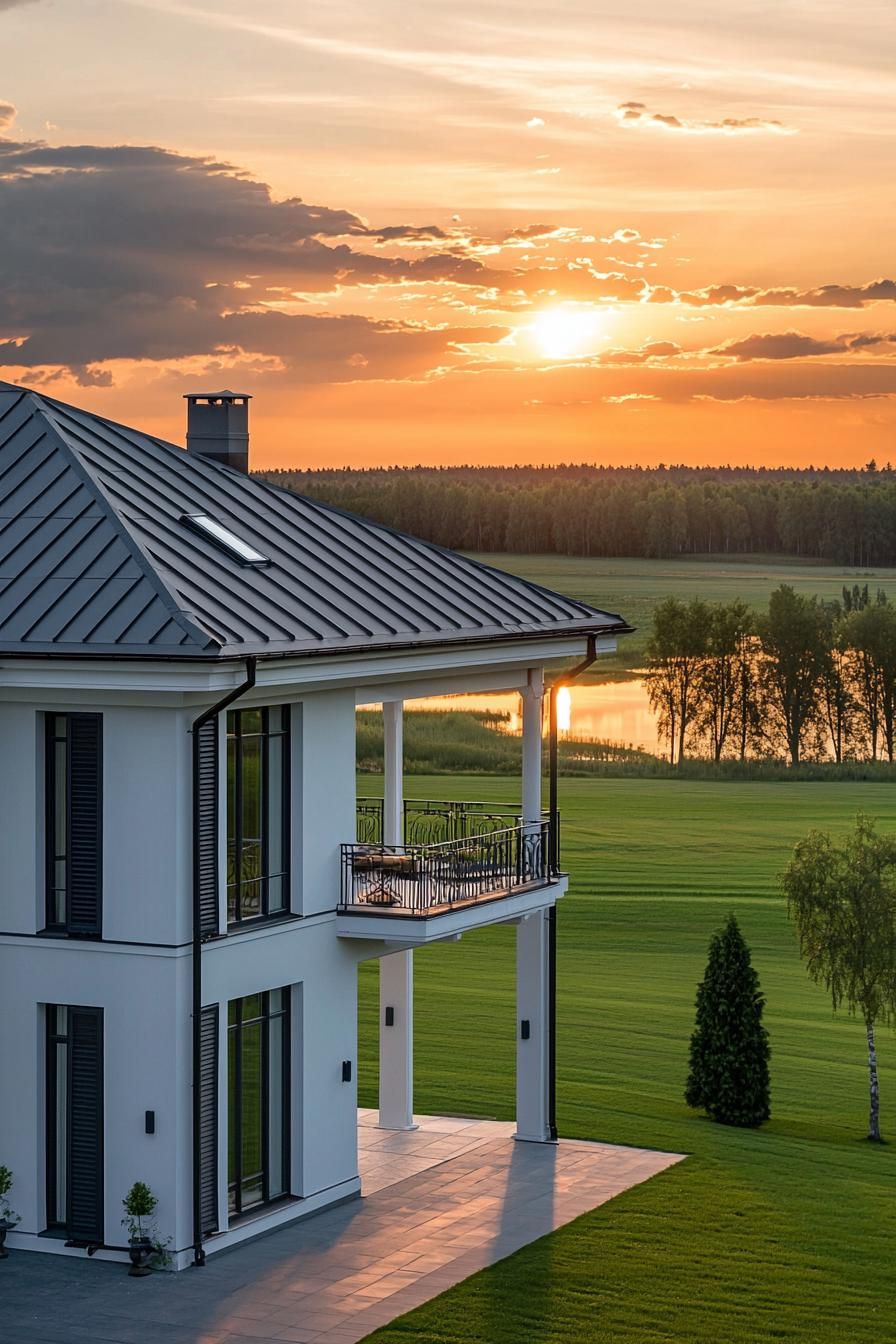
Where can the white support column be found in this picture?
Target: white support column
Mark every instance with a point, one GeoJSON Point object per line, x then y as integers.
{"type": "Point", "coordinates": [393, 772]}
{"type": "Point", "coordinates": [396, 970]}
{"type": "Point", "coordinates": [533, 700]}
{"type": "Point", "coordinates": [532, 951]}
{"type": "Point", "coordinates": [532, 1027]}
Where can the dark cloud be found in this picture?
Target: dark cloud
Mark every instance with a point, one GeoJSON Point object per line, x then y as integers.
{"type": "Point", "coordinates": [400, 233]}
{"type": "Point", "coordinates": [136, 252]}
{"type": "Point", "coordinates": [829, 296]}
{"type": "Point", "coordinates": [795, 345]}
{"type": "Point", "coordinates": [646, 353]}
{"type": "Point", "coordinates": [311, 348]}
{"type": "Point", "coordinates": [638, 114]}
{"type": "Point", "coordinates": [679, 382]}
{"type": "Point", "coordinates": [826, 296]}
{"type": "Point", "coordinates": [530, 231]}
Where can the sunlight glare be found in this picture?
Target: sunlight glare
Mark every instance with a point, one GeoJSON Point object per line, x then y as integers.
{"type": "Point", "coordinates": [564, 709]}
{"type": "Point", "coordinates": [564, 332]}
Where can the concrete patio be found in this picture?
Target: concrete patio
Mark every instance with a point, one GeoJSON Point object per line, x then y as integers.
{"type": "Point", "coordinates": [443, 1201]}
{"type": "Point", "coordinates": [386, 1156]}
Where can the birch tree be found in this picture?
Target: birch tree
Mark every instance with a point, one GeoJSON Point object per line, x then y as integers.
{"type": "Point", "coordinates": [842, 898]}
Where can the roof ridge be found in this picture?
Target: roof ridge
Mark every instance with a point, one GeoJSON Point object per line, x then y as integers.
{"type": "Point", "coordinates": [45, 407]}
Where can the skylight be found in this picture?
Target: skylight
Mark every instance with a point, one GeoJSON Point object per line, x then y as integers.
{"type": "Point", "coordinates": [227, 540]}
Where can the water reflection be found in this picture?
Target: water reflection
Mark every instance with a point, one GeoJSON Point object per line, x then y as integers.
{"type": "Point", "coordinates": [616, 711]}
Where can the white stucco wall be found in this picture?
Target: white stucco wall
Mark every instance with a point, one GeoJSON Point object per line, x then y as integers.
{"type": "Point", "coordinates": [138, 993]}
{"type": "Point", "coordinates": [326, 789]}
{"type": "Point", "coordinates": [146, 821]}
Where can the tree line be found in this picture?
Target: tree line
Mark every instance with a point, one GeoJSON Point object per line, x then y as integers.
{"type": "Point", "coordinates": [806, 679]}
{"type": "Point", "coordinates": [844, 516]}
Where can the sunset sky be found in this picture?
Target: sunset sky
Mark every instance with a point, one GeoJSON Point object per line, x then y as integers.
{"type": "Point", "coordinates": [502, 231]}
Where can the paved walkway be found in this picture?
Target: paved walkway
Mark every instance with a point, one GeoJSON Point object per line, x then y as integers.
{"type": "Point", "coordinates": [386, 1157]}
{"type": "Point", "coordinates": [337, 1276]}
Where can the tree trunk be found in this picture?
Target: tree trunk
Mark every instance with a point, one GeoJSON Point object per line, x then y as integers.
{"type": "Point", "coordinates": [874, 1115]}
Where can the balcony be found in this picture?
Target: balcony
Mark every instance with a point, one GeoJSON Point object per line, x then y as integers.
{"type": "Point", "coordinates": [461, 866]}
{"type": "Point", "coordinates": [432, 821]}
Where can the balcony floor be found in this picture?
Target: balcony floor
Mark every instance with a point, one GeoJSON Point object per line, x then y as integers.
{"type": "Point", "coordinates": [412, 928]}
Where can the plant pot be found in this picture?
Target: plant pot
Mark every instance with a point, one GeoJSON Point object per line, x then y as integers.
{"type": "Point", "coordinates": [140, 1249]}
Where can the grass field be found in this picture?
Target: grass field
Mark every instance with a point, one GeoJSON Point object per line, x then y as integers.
{"type": "Point", "coordinates": [785, 1233]}
{"type": "Point", "coordinates": [632, 588]}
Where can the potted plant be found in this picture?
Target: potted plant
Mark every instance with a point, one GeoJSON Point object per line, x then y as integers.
{"type": "Point", "coordinates": [8, 1219]}
{"type": "Point", "coordinates": [143, 1244]}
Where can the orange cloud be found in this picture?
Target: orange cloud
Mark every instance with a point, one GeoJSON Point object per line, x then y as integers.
{"type": "Point", "coordinates": [638, 114]}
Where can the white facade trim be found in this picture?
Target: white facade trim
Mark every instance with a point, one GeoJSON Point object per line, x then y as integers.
{"type": "Point", "coordinates": [209, 680]}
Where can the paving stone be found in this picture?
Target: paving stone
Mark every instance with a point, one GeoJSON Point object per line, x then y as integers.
{"type": "Point", "coordinates": [448, 1198]}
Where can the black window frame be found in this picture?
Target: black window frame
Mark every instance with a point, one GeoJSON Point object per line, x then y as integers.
{"type": "Point", "coordinates": [236, 1177]}
{"type": "Point", "coordinates": [68, 925]}
{"type": "Point", "coordinates": [64, 1038]}
{"type": "Point", "coordinates": [237, 915]}
{"type": "Point", "coordinates": [57, 1039]}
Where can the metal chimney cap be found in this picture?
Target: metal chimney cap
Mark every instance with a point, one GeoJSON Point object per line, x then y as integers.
{"type": "Point", "coordinates": [226, 395]}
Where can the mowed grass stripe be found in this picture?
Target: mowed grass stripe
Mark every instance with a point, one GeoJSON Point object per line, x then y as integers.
{"type": "Point", "coordinates": [786, 1233]}
{"type": "Point", "coordinates": [632, 588]}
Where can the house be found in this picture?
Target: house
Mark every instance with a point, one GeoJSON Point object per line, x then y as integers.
{"type": "Point", "coordinates": [184, 901]}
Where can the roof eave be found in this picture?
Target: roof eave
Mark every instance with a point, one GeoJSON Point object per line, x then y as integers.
{"type": "Point", "coordinates": [231, 654]}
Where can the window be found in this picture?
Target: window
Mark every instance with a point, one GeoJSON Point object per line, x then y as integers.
{"type": "Point", "coordinates": [74, 823]}
{"type": "Point", "coordinates": [227, 540]}
{"type": "Point", "coordinates": [258, 1100]}
{"type": "Point", "coordinates": [75, 1122]}
{"type": "Point", "coordinates": [257, 813]}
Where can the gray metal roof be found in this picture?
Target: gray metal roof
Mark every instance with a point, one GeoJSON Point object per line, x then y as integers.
{"type": "Point", "coordinates": [95, 558]}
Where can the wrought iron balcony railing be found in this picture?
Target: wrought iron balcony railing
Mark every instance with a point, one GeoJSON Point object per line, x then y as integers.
{"type": "Point", "coordinates": [432, 821]}
{"type": "Point", "coordinates": [433, 878]}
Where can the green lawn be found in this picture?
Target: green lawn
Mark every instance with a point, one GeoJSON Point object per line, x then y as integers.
{"type": "Point", "coordinates": [786, 1233]}
{"type": "Point", "coordinates": [632, 588]}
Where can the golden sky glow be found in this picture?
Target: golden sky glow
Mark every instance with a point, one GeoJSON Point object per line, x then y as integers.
{"type": "Point", "coordinates": [493, 232]}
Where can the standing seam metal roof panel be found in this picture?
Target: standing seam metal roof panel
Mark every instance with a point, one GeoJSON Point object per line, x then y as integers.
{"type": "Point", "coordinates": [95, 557]}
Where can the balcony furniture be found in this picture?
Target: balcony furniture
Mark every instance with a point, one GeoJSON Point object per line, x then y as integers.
{"type": "Point", "coordinates": [423, 880]}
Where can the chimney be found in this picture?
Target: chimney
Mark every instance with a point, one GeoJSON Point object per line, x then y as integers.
{"type": "Point", "coordinates": [218, 427]}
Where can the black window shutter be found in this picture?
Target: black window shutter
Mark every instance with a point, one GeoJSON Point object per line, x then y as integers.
{"type": "Point", "coordinates": [206, 828]}
{"type": "Point", "coordinates": [208, 1101]}
{"type": "Point", "coordinates": [85, 823]}
{"type": "Point", "coordinates": [85, 1137]}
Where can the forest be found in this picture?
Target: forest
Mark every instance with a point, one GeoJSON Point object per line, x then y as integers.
{"type": "Point", "coordinates": [841, 516]}
{"type": "Point", "coordinates": [803, 680]}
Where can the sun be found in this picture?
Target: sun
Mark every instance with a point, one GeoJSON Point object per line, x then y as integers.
{"type": "Point", "coordinates": [566, 331]}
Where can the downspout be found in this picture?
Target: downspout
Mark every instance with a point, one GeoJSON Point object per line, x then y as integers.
{"type": "Point", "coordinates": [554, 858]}
{"type": "Point", "coordinates": [203, 718]}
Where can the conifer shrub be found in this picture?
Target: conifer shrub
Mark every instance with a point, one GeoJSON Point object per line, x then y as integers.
{"type": "Point", "coordinates": [729, 1062]}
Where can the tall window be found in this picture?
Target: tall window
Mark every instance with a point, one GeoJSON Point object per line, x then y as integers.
{"type": "Point", "coordinates": [75, 1121]}
{"type": "Point", "coordinates": [258, 1100]}
{"type": "Point", "coordinates": [74, 823]}
{"type": "Point", "coordinates": [257, 813]}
